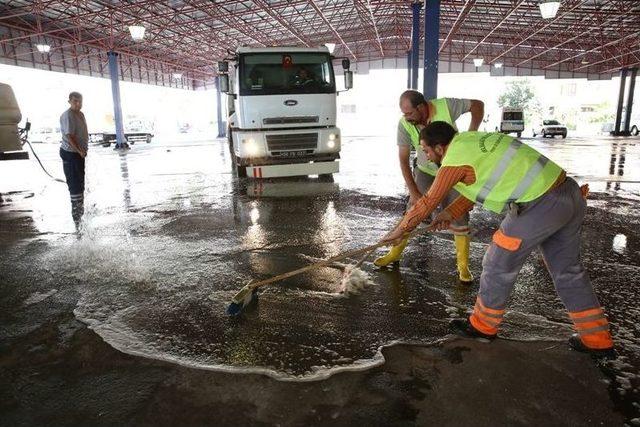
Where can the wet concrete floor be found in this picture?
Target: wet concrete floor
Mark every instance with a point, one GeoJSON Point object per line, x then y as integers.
{"type": "Point", "coordinates": [123, 322]}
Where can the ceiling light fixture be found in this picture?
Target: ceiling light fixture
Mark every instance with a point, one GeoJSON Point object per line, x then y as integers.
{"type": "Point", "coordinates": [478, 62]}
{"type": "Point", "coordinates": [177, 76]}
{"type": "Point", "coordinates": [43, 48]}
{"type": "Point", "coordinates": [137, 32]}
{"type": "Point", "coordinates": [498, 65]}
{"type": "Point", "coordinates": [549, 8]}
{"type": "Point", "coordinates": [330, 46]}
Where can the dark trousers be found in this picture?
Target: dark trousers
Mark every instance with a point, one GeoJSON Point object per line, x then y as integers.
{"type": "Point", "coordinates": [73, 166]}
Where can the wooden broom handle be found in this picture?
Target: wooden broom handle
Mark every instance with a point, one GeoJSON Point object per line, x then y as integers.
{"type": "Point", "coordinates": [320, 264]}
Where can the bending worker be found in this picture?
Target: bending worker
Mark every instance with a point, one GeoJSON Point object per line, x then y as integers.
{"type": "Point", "coordinates": [543, 209]}
{"type": "Point", "coordinates": [417, 113]}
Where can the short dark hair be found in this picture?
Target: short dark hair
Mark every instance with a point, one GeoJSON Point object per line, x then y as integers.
{"type": "Point", "coordinates": [415, 97]}
{"type": "Point", "coordinates": [76, 95]}
{"type": "Point", "coordinates": [437, 133]}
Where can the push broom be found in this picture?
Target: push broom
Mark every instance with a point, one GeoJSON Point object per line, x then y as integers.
{"type": "Point", "coordinates": [248, 293]}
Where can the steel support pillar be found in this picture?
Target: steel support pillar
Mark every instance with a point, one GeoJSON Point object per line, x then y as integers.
{"type": "Point", "coordinates": [409, 69]}
{"type": "Point", "coordinates": [115, 91]}
{"type": "Point", "coordinates": [627, 115]}
{"type": "Point", "coordinates": [431, 41]}
{"type": "Point", "coordinates": [623, 79]}
{"type": "Point", "coordinates": [221, 124]}
{"type": "Point", "coordinates": [415, 44]}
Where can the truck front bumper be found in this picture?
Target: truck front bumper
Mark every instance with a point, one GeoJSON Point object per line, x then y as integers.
{"type": "Point", "coordinates": [293, 169]}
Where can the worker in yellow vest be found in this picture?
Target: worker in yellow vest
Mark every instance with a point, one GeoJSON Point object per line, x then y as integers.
{"type": "Point", "coordinates": [417, 113]}
{"type": "Point", "coordinates": [543, 209]}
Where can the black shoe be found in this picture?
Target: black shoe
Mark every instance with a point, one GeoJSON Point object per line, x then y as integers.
{"type": "Point", "coordinates": [464, 328]}
{"type": "Point", "coordinates": [576, 343]}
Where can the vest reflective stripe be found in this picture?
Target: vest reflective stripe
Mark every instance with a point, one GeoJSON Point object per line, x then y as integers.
{"type": "Point", "coordinates": [441, 115]}
{"type": "Point", "coordinates": [528, 179]}
{"type": "Point", "coordinates": [506, 170]}
{"type": "Point", "coordinates": [499, 170]}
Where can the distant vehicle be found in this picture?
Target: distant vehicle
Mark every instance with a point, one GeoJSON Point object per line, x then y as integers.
{"type": "Point", "coordinates": [135, 131]}
{"type": "Point", "coordinates": [45, 135]}
{"type": "Point", "coordinates": [550, 128]}
{"type": "Point", "coordinates": [512, 121]}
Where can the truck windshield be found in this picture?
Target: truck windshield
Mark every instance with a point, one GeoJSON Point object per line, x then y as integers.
{"type": "Point", "coordinates": [512, 115]}
{"type": "Point", "coordinates": [285, 73]}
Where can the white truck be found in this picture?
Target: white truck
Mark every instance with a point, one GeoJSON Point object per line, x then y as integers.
{"type": "Point", "coordinates": [282, 111]}
{"type": "Point", "coordinates": [512, 121]}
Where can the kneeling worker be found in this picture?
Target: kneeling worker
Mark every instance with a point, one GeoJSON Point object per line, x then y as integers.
{"type": "Point", "coordinates": [543, 209]}
{"type": "Point", "coordinates": [417, 112]}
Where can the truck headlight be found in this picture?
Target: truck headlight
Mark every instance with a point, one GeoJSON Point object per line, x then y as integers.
{"type": "Point", "coordinates": [251, 147]}
{"type": "Point", "coordinates": [332, 140]}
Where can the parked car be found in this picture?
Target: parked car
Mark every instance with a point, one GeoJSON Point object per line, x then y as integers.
{"type": "Point", "coordinates": [550, 128]}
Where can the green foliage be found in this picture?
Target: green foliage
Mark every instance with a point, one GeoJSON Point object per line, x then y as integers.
{"type": "Point", "coordinates": [518, 93]}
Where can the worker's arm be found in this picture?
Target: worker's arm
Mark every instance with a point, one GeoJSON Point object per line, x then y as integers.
{"type": "Point", "coordinates": [404, 156]}
{"type": "Point", "coordinates": [460, 206]}
{"type": "Point", "coordinates": [446, 178]}
{"type": "Point", "coordinates": [477, 114]}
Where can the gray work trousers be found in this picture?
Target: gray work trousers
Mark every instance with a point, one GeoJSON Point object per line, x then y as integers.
{"type": "Point", "coordinates": [424, 182]}
{"type": "Point", "coordinates": [553, 222]}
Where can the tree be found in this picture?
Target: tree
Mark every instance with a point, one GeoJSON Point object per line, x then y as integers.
{"type": "Point", "coordinates": [518, 93]}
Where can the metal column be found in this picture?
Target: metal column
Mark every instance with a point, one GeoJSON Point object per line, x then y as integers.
{"type": "Point", "coordinates": [221, 124]}
{"type": "Point", "coordinates": [632, 87]}
{"type": "Point", "coordinates": [415, 44]}
{"type": "Point", "coordinates": [409, 69]}
{"type": "Point", "coordinates": [115, 91]}
{"type": "Point", "coordinates": [623, 78]}
{"type": "Point", "coordinates": [431, 41]}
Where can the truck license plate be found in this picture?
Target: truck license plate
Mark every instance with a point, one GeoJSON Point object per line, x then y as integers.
{"type": "Point", "coordinates": [293, 153]}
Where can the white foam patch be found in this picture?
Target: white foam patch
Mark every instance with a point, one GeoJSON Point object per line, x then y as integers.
{"type": "Point", "coordinates": [354, 280]}
{"type": "Point", "coordinates": [38, 297]}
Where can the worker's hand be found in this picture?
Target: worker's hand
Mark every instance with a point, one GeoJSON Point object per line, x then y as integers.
{"type": "Point", "coordinates": [83, 153]}
{"type": "Point", "coordinates": [442, 221]}
{"type": "Point", "coordinates": [414, 196]}
{"type": "Point", "coordinates": [393, 237]}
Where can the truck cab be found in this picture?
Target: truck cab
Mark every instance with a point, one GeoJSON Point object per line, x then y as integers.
{"type": "Point", "coordinates": [282, 111]}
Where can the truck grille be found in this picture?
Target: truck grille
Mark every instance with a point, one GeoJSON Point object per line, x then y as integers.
{"type": "Point", "coordinates": [294, 141]}
{"type": "Point", "coordinates": [289, 120]}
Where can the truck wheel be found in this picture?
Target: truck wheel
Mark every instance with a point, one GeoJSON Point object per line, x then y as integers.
{"type": "Point", "coordinates": [564, 135]}
{"type": "Point", "coordinates": [534, 134]}
{"type": "Point", "coordinates": [325, 177]}
{"type": "Point", "coordinates": [148, 139]}
{"type": "Point", "coordinates": [241, 171]}
{"type": "Point", "coordinates": [519, 134]}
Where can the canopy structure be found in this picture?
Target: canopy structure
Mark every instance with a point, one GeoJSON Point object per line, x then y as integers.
{"type": "Point", "coordinates": [184, 39]}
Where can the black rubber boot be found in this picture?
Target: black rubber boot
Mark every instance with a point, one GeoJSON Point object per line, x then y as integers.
{"type": "Point", "coordinates": [576, 344]}
{"type": "Point", "coordinates": [464, 328]}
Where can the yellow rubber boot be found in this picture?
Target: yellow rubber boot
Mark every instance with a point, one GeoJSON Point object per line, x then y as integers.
{"type": "Point", "coordinates": [462, 256]}
{"type": "Point", "coordinates": [394, 254]}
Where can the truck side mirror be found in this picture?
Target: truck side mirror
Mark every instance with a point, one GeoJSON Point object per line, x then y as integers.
{"type": "Point", "coordinates": [223, 83]}
{"type": "Point", "coordinates": [346, 64]}
{"type": "Point", "coordinates": [223, 67]}
{"type": "Point", "coordinates": [348, 79]}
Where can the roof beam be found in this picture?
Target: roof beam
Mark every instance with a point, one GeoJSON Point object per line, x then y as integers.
{"type": "Point", "coordinates": [267, 9]}
{"type": "Point", "coordinates": [591, 64]}
{"type": "Point", "coordinates": [577, 4]}
{"type": "Point", "coordinates": [502, 21]}
{"type": "Point", "coordinates": [324, 18]}
{"type": "Point", "coordinates": [458, 22]}
{"type": "Point", "coordinates": [593, 50]}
